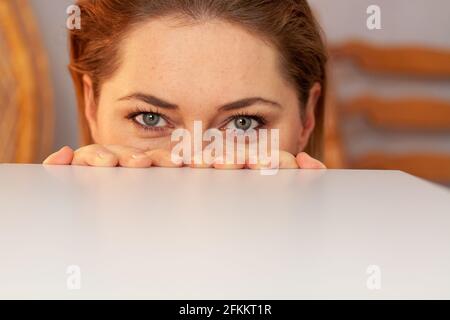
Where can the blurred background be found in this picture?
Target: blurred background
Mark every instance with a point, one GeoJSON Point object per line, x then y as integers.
{"type": "Point", "coordinates": [388, 104]}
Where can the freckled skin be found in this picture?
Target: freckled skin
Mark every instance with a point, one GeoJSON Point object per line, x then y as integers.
{"type": "Point", "coordinates": [198, 67]}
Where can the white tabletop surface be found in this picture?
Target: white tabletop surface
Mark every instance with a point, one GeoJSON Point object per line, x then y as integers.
{"type": "Point", "coordinates": [209, 234]}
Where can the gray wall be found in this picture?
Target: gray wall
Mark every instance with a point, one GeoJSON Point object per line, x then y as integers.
{"type": "Point", "coordinates": [403, 21]}
{"type": "Point", "coordinates": [51, 16]}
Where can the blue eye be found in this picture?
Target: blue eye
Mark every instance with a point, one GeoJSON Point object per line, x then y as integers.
{"type": "Point", "coordinates": [150, 119]}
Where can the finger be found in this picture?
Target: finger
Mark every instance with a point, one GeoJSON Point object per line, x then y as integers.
{"type": "Point", "coordinates": [130, 157]}
{"type": "Point", "coordinates": [95, 155]}
{"type": "Point", "coordinates": [199, 161]}
{"type": "Point", "coordinates": [287, 161]}
{"type": "Point", "coordinates": [231, 160]}
{"type": "Point", "coordinates": [220, 163]}
{"type": "Point", "coordinates": [254, 162]}
{"type": "Point", "coordinates": [284, 160]}
{"type": "Point", "coordinates": [305, 161]}
{"type": "Point", "coordinates": [63, 156]}
{"type": "Point", "coordinates": [162, 158]}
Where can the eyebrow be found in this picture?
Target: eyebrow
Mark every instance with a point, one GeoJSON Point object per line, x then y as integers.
{"type": "Point", "coordinates": [157, 102]}
{"type": "Point", "coordinates": [150, 99]}
{"type": "Point", "coordinates": [247, 103]}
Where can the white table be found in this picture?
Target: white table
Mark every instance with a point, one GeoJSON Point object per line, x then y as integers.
{"type": "Point", "coordinates": [208, 234]}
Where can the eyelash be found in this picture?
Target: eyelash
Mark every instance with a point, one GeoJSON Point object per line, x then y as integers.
{"type": "Point", "coordinates": [132, 116]}
{"type": "Point", "coordinates": [254, 116]}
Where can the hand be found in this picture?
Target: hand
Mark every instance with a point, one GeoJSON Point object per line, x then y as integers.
{"type": "Point", "coordinates": [305, 161]}
{"type": "Point", "coordinates": [286, 161]}
{"type": "Point", "coordinates": [114, 155]}
{"type": "Point", "coordinates": [111, 156]}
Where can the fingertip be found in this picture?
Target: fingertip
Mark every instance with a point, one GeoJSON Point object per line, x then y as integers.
{"type": "Point", "coordinates": [287, 161]}
{"type": "Point", "coordinates": [66, 149]}
{"type": "Point", "coordinates": [104, 159]}
{"type": "Point", "coordinates": [305, 161]}
{"type": "Point", "coordinates": [163, 158]}
{"type": "Point", "coordinates": [228, 166]}
{"type": "Point", "coordinates": [137, 160]}
{"type": "Point", "coordinates": [301, 157]}
{"type": "Point", "coordinates": [63, 156]}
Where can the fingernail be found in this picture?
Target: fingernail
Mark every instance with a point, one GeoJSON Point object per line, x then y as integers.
{"type": "Point", "coordinates": [101, 155]}
{"type": "Point", "coordinates": [138, 156]}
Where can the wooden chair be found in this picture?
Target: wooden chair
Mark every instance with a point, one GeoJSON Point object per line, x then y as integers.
{"type": "Point", "coordinates": [405, 114]}
{"type": "Point", "coordinates": [26, 111]}
{"type": "Point", "coordinates": [334, 147]}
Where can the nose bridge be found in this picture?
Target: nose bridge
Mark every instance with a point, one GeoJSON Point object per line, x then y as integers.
{"type": "Point", "coordinates": [197, 126]}
{"type": "Point", "coordinates": [196, 121]}
{"type": "Point", "coordinates": [197, 104]}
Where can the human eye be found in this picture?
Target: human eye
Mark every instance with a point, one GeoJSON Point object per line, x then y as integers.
{"type": "Point", "coordinates": [244, 122]}
{"type": "Point", "coordinates": [149, 120]}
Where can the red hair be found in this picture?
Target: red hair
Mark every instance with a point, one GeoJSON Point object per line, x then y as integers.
{"type": "Point", "coordinates": [288, 24]}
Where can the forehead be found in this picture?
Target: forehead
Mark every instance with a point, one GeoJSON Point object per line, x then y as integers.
{"type": "Point", "coordinates": [212, 58]}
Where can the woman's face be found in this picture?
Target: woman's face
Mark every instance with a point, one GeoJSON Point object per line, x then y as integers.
{"type": "Point", "coordinates": [173, 74]}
